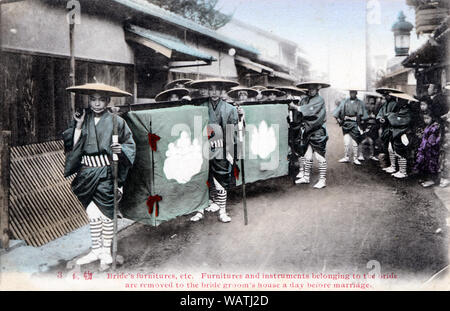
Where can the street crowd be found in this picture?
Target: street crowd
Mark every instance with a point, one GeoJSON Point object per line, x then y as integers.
{"type": "Point", "coordinates": [407, 135]}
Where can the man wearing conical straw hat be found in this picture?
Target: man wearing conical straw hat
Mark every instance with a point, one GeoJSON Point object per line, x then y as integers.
{"type": "Point", "coordinates": [179, 83]}
{"type": "Point", "coordinates": [90, 149]}
{"type": "Point", "coordinates": [400, 133]}
{"type": "Point", "coordinates": [172, 95]}
{"type": "Point", "coordinates": [272, 94]}
{"type": "Point", "coordinates": [313, 137]}
{"type": "Point", "coordinates": [350, 114]}
{"type": "Point", "coordinates": [242, 94]}
{"type": "Point", "coordinates": [293, 92]}
{"type": "Point", "coordinates": [389, 105]}
{"type": "Point", "coordinates": [222, 117]}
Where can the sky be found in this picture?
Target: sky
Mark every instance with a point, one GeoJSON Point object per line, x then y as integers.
{"type": "Point", "coordinates": [330, 32]}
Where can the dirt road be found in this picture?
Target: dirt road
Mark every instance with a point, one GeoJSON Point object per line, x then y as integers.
{"type": "Point", "coordinates": [362, 215]}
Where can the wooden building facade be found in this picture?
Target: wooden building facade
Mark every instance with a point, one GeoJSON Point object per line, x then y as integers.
{"type": "Point", "coordinates": [38, 45]}
{"type": "Point", "coordinates": [35, 66]}
{"type": "Point", "coordinates": [431, 62]}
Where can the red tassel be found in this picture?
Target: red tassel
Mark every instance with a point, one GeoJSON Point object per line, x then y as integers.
{"type": "Point", "coordinates": [209, 131]}
{"type": "Point", "coordinates": [207, 184]}
{"type": "Point", "coordinates": [152, 140]}
{"type": "Point", "coordinates": [236, 172]}
{"type": "Point", "coordinates": [151, 200]}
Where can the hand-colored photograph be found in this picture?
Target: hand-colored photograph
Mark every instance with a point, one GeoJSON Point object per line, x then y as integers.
{"type": "Point", "coordinates": [224, 145]}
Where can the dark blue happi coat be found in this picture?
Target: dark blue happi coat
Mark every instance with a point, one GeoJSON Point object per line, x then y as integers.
{"type": "Point", "coordinates": [311, 129]}
{"type": "Point", "coordinates": [399, 124]}
{"type": "Point", "coordinates": [385, 110]}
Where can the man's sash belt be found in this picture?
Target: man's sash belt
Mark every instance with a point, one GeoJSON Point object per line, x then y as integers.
{"type": "Point", "coordinates": [95, 161]}
{"type": "Point", "coordinates": [347, 118]}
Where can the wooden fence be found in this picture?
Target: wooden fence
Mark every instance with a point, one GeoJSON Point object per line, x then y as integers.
{"type": "Point", "coordinates": [42, 206]}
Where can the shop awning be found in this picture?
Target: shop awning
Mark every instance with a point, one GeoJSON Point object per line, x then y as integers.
{"type": "Point", "coordinates": [224, 67]}
{"type": "Point", "coordinates": [396, 73]}
{"type": "Point", "coordinates": [169, 46]}
{"type": "Point", "coordinates": [248, 64]}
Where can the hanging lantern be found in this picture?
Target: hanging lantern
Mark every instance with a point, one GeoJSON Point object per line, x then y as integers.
{"type": "Point", "coordinates": [402, 34]}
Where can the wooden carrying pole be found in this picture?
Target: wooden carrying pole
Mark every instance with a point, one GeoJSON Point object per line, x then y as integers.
{"type": "Point", "coordinates": [5, 141]}
{"type": "Point", "coordinates": [72, 64]}
{"type": "Point", "coordinates": [241, 129]}
{"type": "Point", "coordinates": [115, 139]}
{"type": "Point", "coordinates": [72, 67]}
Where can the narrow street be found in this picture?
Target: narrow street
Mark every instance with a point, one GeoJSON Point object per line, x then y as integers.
{"type": "Point", "coordinates": [363, 214]}
{"type": "Point", "coordinates": [117, 105]}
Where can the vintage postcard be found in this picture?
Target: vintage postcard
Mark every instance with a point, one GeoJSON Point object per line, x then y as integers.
{"type": "Point", "coordinates": [224, 145]}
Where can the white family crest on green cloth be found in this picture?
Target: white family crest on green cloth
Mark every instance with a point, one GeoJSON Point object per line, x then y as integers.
{"type": "Point", "coordinates": [263, 140]}
{"type": "Point", "coordinates": [266, 145]}
{"type": "Point", "coordinates": [184, 159]}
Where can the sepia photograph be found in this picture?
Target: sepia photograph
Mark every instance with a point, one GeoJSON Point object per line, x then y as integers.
{"type": "Point", "coordinates": [224, 145]}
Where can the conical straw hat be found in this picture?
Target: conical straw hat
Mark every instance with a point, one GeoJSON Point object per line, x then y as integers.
{"type": "Point", "coordinates": [100, 88]}
{"type": "Point", "coordinates": [164, 95]}
{"type": "Point", "coordinates": [234, 93]}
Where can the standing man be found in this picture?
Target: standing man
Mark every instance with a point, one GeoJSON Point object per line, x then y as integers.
{"type": "Point", "coordinates": [90, 146]}
{"type": "Point", "coordinates": [223, 120]}
{"type": "Point", "coordinates": [400, 132]}
{"type": "Point", "coordinates": [389, 106]}
{"type": "Point", "coordinates": [312, 137]}
{"type": "Point", "coordinates": [372, 126]}
{"type": "Point", "coordinates": [350, 114]}
{"type": "Point", "coordinates": [293, 93]}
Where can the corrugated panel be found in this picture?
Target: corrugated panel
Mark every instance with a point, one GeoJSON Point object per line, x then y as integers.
{"type": "Point", "coordinates": [42, 205]}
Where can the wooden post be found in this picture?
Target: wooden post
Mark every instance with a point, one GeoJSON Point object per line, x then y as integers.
{"type": "Point", "coordinates": [72, 64]}
{"type": "Point", "coordinates": [368, 65]}
{"type": "Point", "coordinates": [5, 141]}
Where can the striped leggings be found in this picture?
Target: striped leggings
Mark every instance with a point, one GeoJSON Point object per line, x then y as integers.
{"type": "Point", "coordinates": [308, 163]}
{"type": "Point", "coordinates": [101, 227]}
{"type": "Point", "coordinates": [218, 194]}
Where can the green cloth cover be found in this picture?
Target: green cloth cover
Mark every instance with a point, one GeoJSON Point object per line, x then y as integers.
{"type": "Point", "coordinates": [263, 142]}
{"type": "Point", "coordinates": [185, 190]}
